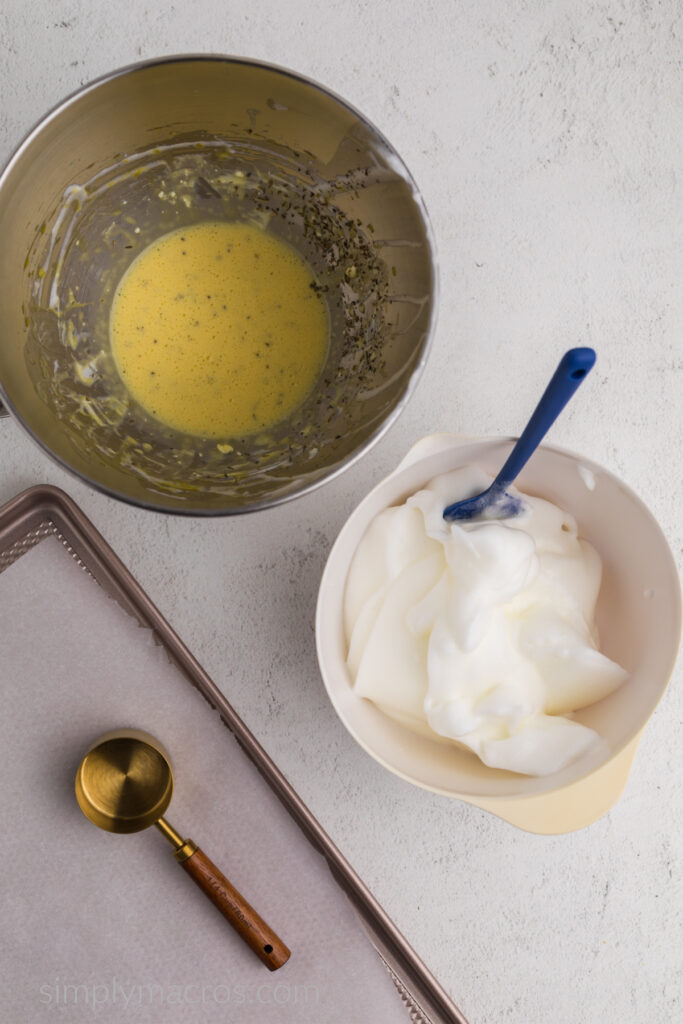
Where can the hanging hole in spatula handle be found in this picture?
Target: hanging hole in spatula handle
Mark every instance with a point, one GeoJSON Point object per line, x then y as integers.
{"type": "Point", "coordinates": [571, 371]}
{"type": "Point", "coordinates": [269, 948]}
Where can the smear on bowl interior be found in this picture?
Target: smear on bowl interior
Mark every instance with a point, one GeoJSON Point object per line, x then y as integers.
{"type": "Point", "coordinates": [217, 329]}
{"type": "Point", "coordinates": [480, 633]}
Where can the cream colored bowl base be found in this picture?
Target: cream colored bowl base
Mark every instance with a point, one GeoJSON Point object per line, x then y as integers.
{"type": "Point", "coordinates": [576, 806]}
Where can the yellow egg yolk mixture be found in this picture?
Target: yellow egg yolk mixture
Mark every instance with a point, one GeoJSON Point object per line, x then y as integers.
{"type": "Point", "coordinates": [218, 330]}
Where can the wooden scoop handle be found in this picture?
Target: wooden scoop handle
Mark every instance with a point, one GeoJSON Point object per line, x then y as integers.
{"type": "Point", "coordinates": [270, 949]}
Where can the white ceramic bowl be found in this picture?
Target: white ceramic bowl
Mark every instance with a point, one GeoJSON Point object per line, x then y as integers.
{"type": "Point", "coordinates": [638, 616]}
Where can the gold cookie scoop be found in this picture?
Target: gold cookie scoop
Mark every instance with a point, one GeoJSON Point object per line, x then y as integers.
{"type": "Point", "coordinates": [124, 784]}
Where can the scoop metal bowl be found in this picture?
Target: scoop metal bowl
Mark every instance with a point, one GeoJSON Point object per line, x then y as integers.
{"type": "Point", "coordinates": [124, 784]}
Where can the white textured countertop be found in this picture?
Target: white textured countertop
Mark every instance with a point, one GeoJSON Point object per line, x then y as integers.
{"type": "Point", "coordinates": [546, 138]}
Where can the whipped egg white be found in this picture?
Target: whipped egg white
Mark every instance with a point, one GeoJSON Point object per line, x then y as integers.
{"type": "Point", "coordinates": [481, 633]}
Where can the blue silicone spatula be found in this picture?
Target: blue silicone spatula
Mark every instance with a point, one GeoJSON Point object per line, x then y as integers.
{"type": "Point", "coordinates": [495, 502]}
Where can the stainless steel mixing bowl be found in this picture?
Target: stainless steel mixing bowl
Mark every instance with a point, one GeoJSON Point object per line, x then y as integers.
{"type": "Point", "coordinates": [169, 143]}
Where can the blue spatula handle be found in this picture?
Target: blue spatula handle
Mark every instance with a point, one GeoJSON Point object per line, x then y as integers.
{"type": "Point", "coordinates": [573, 368]}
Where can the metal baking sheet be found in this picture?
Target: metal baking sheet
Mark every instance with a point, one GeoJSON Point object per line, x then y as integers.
{"type": "Point", "coordinates": [47, 511]}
